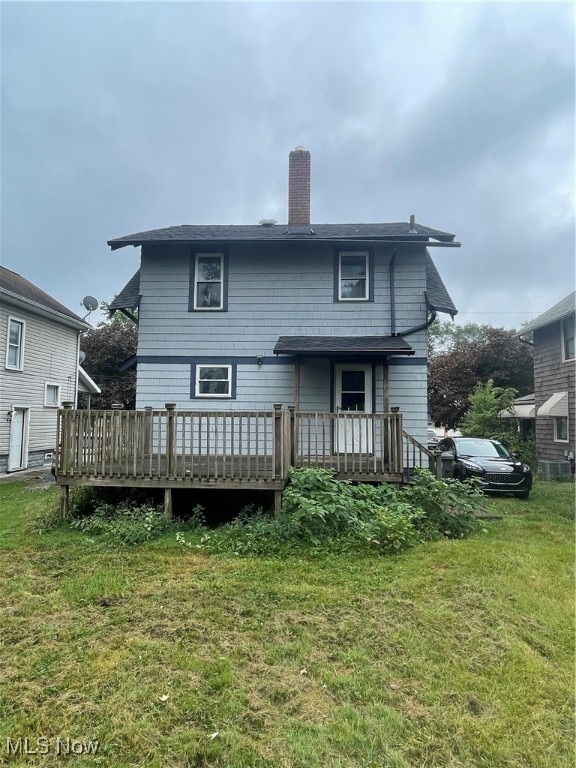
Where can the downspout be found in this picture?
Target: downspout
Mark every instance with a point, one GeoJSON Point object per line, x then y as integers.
{"type": "Point", "coordinates": [420, 327]}
{"type": "Point", "coordinates": [392, 293]}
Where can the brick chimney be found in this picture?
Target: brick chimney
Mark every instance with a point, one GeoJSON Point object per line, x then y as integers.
{"type": "Point", "coordinates": [299, 188]}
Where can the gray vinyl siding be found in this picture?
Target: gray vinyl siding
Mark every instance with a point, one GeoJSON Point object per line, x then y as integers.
{"type": "Point", "coordinates": [273, 290]}
{"type": "Point", "coordinates": [50, 354]}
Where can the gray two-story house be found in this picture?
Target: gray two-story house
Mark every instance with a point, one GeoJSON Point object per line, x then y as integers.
{"type": "Point", "coordinates": [240, 326]}
{"type": "Point", "coordinates": [327, 317]}
{"type": "Point", "coordinates": [553, 334]}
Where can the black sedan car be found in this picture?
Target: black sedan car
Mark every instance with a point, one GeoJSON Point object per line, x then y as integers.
{"type": "Point", "coordinates": [489, 460]}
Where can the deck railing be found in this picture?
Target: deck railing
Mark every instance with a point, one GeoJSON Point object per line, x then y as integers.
{"type": "Point", "coordinates": [170, 444]}
{"type": "Point", "coordinates": [354, 444]}
{"type": "Point", "coordinates": [418, 455]}
{"type": "Point", "coordinates": [231, 446]}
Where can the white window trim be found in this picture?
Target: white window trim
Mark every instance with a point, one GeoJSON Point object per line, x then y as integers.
{"type": "Point", "coordinates": [197, 392]}
{"type": "Point", "coordinates": [221, 281]}
{"type": "Point", "coordinates": [366, 255]}
{"type": "Point", "coordinates": [12, 318]}
{"type": "Point", "coordinates": [59, 388]}
{"type": "Point", "coordinates": [563, 348]}
{"type": "Point", "coordinates": [558, 439]}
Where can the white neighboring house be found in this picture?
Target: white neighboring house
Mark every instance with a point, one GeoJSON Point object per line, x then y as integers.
{"type": "Point", "coordinates": [40, 342]}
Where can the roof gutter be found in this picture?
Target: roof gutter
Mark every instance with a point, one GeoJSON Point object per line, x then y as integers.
{"type": "Point", "coordinates": [138, 243]}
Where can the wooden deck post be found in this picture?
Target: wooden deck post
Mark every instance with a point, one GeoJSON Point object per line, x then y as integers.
{"type": "Point", "coordinates": [168, 508]}
{"type": "Point", "coordinates": [277, 503]}
{"type": "Point", "coordinates": [292, 435]}
{"type": "Point", "coordinates": [64, 501]}
{"type": "Point", "coordinates": [277, 440]}
{"type": "Point", "coordinates": [66, 464]}
{"type": "Point", "coordinates": [170, 439]}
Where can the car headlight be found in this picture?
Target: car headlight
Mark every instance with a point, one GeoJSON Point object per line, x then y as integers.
{"type": "Point", "coordinates": [471, 465]}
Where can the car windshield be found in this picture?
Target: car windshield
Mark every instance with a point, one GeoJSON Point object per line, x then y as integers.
{"type": "Point", "coordinates": [485, 448]}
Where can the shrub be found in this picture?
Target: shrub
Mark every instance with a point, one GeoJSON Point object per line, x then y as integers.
{"type": "Point", "coordinates": [448, 507]}
{"type": "Point", "coordinates": [125, 523]}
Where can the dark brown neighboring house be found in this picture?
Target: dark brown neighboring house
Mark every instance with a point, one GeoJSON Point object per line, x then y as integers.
{"type": "Point", "coordinates": [553, 334]}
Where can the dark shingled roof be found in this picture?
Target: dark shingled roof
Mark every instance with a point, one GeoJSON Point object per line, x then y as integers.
{"type": "Point", "coordinates": [198, 232]}
{"type": "Point", "coordinates": [559, 311]}
{"type": "Point", "coordinates": [356, 345]}
{"type": "Point", "coordinates": [15, 283]}
{"type": "Point", "coordinates": [129, 296]}
{"type": "Point", "coordinates": [436, 293]}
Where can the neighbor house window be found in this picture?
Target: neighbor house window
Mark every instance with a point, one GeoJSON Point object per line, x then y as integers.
{"type": "Point", "coordinates": [213, 381]}
{"type": "Point", "coordinates": [568, 352]}
{"type": "Point", "coordinates": [209, 281]}
{"type": "Point", "coordinates": [52, 395]}
{"type": "Point", "coordinates": [15, 344]}
{"type": "Point", "coordinates": [561, 429]}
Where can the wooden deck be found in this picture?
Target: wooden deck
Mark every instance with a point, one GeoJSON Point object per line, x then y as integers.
{"type": "Point", "coordinates": [228, 449]}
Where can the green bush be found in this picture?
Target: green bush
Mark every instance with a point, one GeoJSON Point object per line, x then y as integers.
{"type": "Point", "coordinates": [320, 513]}
{"type": "Point", "coordinates": [449, 507]}
{"type": "Point", "coordinates": [125, 523]}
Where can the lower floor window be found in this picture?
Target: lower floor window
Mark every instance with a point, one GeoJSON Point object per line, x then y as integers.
{"type": "Point", "coordinates": [561, 428]}
{"type": "Point", "coordinates": [52, 395]}
{"type": "Point", "coordinates": [213, 380]}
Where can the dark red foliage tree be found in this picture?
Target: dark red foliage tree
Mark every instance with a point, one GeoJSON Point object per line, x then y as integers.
{"type": "Point", "coordinates": [107, 347]}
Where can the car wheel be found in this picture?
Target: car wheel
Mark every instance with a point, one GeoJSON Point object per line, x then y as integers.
{"type": "Point", "coordinates": [522, 494]}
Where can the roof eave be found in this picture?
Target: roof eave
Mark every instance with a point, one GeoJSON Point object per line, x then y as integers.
{"type": "Point", "coordinates": [436, 243]}
{"type": "Point", "coordinates": [40, 309]}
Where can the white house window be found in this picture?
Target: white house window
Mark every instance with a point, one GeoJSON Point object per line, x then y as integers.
{"type": "Point", "coordinates": [353, 276]}
{"type": "Point", "coordinates": [213, 380]}
{"type": "Point", "coordinates": [568, 352]}
{"type": "Point", "coordinates": [208, 281]}
{"type": "Point", "coordinates": [561, 429]}
{"type": "Point", "coordinates": [15, 344]}
{"type": "Point", "coordinates": [52, 395]}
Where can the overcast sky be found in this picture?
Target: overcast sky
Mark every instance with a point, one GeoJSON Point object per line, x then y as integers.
{"type": "Point", "coordinates": [118, 118]}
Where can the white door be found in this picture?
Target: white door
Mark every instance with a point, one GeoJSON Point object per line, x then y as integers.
{"type": "Point", "coordinates": [353, 395]}
{"type": "Point", "coordinates": [18, 452]}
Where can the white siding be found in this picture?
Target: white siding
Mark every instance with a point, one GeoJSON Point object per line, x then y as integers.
{"type": "Point", "coordinates": [50, 354]}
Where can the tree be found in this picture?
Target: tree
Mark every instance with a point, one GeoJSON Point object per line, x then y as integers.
{"type": "Point", "coordinates": [107, 347]}
{"type": "Point", "coordinates": [487, 353]}
{"type": "Point", "coordinates": [486, 402]}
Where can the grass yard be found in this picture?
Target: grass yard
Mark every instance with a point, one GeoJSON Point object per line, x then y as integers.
{"type": "Point", "coordinates": [457, 654]}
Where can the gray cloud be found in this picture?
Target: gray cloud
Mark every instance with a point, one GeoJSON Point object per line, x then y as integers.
{"type": "Point", "coordinates": [123, 117]}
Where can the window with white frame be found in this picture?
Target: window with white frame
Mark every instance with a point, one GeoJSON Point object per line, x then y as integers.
{"type": "Point", "coordinates": [15, 344]}
{"type": "Point", "coordinates": [213, 381]}
{"type": "Point", "coordinates": [561, 429]}
{"type": "Point", "coordinates": [568, 327]}
{"type": "Point", "coordinates": [353, 276]}
{"type": "Point", "coordinates": [209, 281]}
{"type": "Point", "coordinates": [52, 394]}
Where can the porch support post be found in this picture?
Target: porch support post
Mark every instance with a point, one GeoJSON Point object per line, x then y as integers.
{"type": "Point", "coordinates": [385, 387]}
{"type": "Point", "coordinates": [292, 433]}
{"type": "Point", "coordinates": [277, 503]}
{"type": "Point", "coordinates": [297, 384]}
{"type": "Point", "coordinates": [168, 508]}
{"type": "Point", "coordinates": [64, 501]}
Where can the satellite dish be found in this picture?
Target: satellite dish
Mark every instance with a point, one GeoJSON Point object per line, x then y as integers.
{"type": "Point", "coordinates": [81, 357]}
{"type": "Point", "coordinates": [90, 303]}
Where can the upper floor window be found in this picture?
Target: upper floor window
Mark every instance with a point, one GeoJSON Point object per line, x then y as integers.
{"type": "Point", "coordinates": [15, 344]}
{"type": "Point", "coordinates": [568, 325]}
{"type": "Point", "coordinates": [209, 281]}
{"type": "Point", "coordinates": [353, 276]}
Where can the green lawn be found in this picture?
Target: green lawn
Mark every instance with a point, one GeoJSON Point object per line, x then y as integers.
{"type": "Point", "coordinates": [455, 654]}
